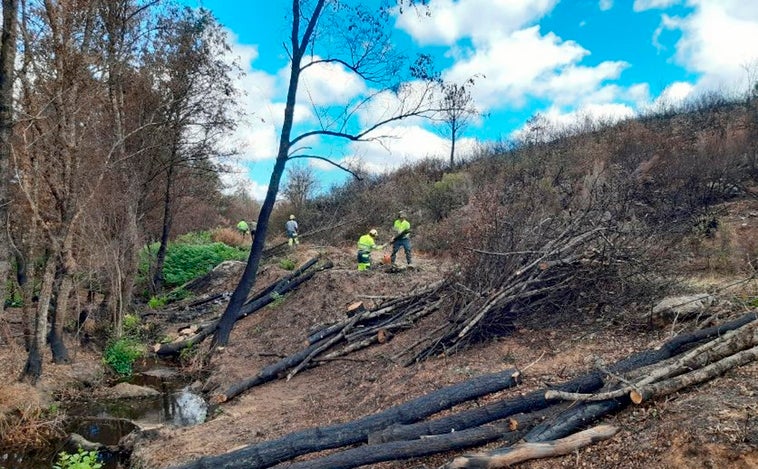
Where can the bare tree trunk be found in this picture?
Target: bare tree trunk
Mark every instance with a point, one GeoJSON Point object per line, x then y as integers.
{"type": "Point", "coordinates": [452, 148]}
{"type": "Point", "coordinates": [33, 367]}
{"type": "Point", "coordinates": [160, 258]}
{"type": "Point", "coordinates": [57, 345]}
{"type": "Point", "coordinates": [7, 58]}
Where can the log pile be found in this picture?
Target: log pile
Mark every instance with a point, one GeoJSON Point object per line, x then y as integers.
{"type": "Point", "coordinates": [537, 424]}
{"type": "Point", "coordinates": [361, 328]}
{"type": "Point", "coordinates": [196, 333]}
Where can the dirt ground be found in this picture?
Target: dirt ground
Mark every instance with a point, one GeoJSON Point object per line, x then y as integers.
{"type": "Point", "coordinates": [714, 425]}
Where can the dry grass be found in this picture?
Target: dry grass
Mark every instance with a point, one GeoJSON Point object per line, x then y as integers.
{"type": "Point", "coordinates": [231, 237]}
{"type": "Point", "coordinates": [24, 423]}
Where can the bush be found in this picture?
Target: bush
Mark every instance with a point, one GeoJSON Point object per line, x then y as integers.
{"type": "Point", "coordinates": [187, 261]}
{"type": "Point", "coordinates": [121, 354]}
{"type": "Point", "coordinates": [447, 194]}
{"type": "Point", "coordinates": [287, 264]}
{"type": "Point", "coordinates": [79, 460]}
{"type": "Point", "coordinates": [231, 237]}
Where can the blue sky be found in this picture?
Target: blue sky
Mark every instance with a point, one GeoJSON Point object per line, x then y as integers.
{"type": "Point", "coordinates": [568, 60]}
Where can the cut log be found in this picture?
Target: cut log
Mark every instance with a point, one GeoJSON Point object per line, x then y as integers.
{"type": "Point", "coordinates": [355, 308]}
{"type": "Point", "coordinates": [175, 348]}
{"type": "Point", "coordinates": [505, 430]}
{"type": "Point", "coordinates": [709, 372]}
{"type": "Point", "coordinates": [527, 451]}
{"type": "Point", "coordinates": [534, 401]}
{"type": "Point", "coordinates": [268, 453]}
{"type": "Point", "coordinates": [710, 352]}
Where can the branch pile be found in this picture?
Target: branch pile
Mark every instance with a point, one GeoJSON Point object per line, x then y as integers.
{"type": "Point", "coordinates": [538, 424]}
{"type": "Point", "coordinates": [549, 277]}
{"type": "Point", "coordinates": [361, 328]}
{"type": "Point", "coordinates": [195, 334]}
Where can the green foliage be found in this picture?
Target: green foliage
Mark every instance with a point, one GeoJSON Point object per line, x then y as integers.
{"type": "Point", "coordinates": [79, 460]}
{"type": "Point", "coordinates": [121, 354]}
{"type": "Point", "coordinates": [156, 302]}
{"type": "Point", "coordinates": [287, 264]}
{"type": "Point", "coordinates": [197, 238]}
{"type": "Point", "coordinates": [277, 299]}
{"type": "Point", "coordinates": [188, 353]}
{"type": "Point", "coordinates": [447, 194]}
{"type": "Point", "coordinates": [190, 256]}
{"type": "Point", "coordinates": [14, 299]}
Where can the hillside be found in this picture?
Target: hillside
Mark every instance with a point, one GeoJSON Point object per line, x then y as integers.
{"type": "Point", "coordinates": [574, 241]}
{"type": "Point", "coordinates": [713, 425]}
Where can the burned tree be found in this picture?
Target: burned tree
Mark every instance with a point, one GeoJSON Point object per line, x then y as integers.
{"type": "Point", "coordinates": [356, 39]}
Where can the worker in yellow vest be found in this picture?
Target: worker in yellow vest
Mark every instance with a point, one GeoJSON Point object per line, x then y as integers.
{"type": "Point", "coordinates": [367, 244]}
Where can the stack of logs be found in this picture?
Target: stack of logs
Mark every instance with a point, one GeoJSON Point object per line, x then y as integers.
{"type": "Point", "coordinates": [542, 423]}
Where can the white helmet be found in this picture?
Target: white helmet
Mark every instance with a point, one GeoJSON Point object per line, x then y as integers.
{"type": "Point", "coordinates": [373, 232]}
{"type": "Point", "coordinates": [292, 217]}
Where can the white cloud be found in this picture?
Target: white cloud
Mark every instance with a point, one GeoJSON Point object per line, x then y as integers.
{"type": "Point", "coordinates": [718, 41]}
{"type": "Point", "coordinates": [642, 5]}
{"type": "Point", "coordinates": [327, 83]}
{"type": "Point", "coordinates": [238, 177]}
{"type": "Point", "coordinates": [673, 95]}
{"type": "Point", "coordinates": [452, 20]}
{"type": "Point", "coordinates": [403, 144]}
{"type": "Point", "coordinates": [528, 63]}
{"type": "Point", "coordinates": [606, 5]}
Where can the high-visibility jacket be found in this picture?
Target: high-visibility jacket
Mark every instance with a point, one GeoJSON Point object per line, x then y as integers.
{"type": "Point", "coordinates": [401, 225]}
{"type": "Point", "coordinates": [242, 226]}
{"type": "Point", "coordinates": [367, 243]}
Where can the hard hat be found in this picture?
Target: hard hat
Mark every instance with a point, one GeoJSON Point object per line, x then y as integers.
{"type": "Point", "coordinates": [373, 232]}
{"type": "Point", "coordinates": [292, 217]}
{"type": "Point", "coordinates": [401, 213]}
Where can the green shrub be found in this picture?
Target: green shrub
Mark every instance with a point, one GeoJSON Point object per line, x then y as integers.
{"type": "Point", "coordinates": [187, 261]}
{"type": "Point", "coordinates": [79, 460]}
{"type": "Point", "coordinates": [156, 302]}
{"type": "Point", "coordinates": [447, 194]}
{"type": "Point", "coordinates": [287, 264]}
{"type": "Point", "coordinates": [121, 354]}
{"type": "Point", "coordinates": [196, 237]}
{"type": "Point", "coordinates": [276, 299]}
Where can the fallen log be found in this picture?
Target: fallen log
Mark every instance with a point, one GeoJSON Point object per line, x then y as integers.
{"type": "Point", "coordinates": [268, 373]}
{"type": "Point", "coordinates": [175, 348]}
{"type": "Point", "coordinates": [527, 451]}
{"type": "Point", "coordinates": [263, 298]}
{"type": "Point", "coordinates": [268, 453]}
{"type": "Point", "coordinates": [702, 375]}
{"type": "Point", "coordinates": [536, 400]}
{"type": "Point", "coordinates": [710, 352]}
{"type": "Point", "coordinates": [508, 430]}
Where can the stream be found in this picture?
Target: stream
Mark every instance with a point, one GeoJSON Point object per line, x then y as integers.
{"type": "Point", "coordinates": [108, 420]}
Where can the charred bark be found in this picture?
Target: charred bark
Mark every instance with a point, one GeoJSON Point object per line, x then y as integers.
{"type": "Point", "coordinates": [507, 430]}
{"type": "Point", "coordinates": [265, 297]}
{"type": "Point", "coordinates": [268, 453]}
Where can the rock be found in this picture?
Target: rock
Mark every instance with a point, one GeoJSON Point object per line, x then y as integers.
{"type": "Point", "coordinates": [678, 308]}
{"type": "Point", "coordinates": [126, 390]}
{"type": "Point", "coordinates": [161, 373]}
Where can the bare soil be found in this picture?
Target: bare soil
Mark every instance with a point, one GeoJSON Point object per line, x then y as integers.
{"type": "Point", "coordinates": [714, 425]}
